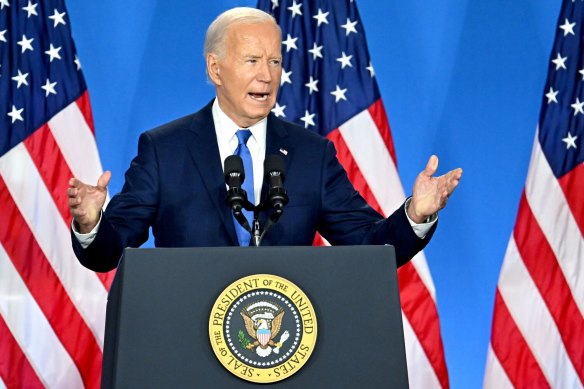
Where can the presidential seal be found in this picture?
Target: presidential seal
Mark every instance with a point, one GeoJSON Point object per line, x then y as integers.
{"type": "Point", "coordinates": [262, 328]}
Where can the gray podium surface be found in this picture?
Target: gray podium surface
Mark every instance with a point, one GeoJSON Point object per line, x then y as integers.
{"type": "Point", "coordinates": [159, 308]}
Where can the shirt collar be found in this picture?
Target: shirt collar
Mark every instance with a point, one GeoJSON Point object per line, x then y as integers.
{"type": "Point", "coordinates": [226, 128]}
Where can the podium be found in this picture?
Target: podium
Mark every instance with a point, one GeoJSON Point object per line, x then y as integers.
{"type": "Point", "coordinates": [159, 307]}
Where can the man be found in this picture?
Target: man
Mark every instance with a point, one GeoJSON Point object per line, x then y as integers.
{"type": "Point", "coordinates": [175, 184]}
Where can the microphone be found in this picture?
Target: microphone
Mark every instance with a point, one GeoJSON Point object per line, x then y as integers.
{"type": "Point", "coordinates": [234, 176]}
{"type": "Point", "coordinates": [274, 173]}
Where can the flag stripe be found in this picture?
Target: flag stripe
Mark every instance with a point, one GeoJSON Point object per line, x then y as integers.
{"type": "Point", "coordinates": [549, 279]}
{"type": "Point", "coordinates": [421, 265]}
{"type": "Point", "coordinates": [553, 215]}
{"type": "Point", "coordinates": [377, 112]}
{"type": "Point", "coordinates": [420, 309]}
{"type": "Point", "coordinates": [57, 306]}
{"type": "Point", "coordinates": [51, 167]}
{"type": "Point", "coordinates": [421, 374]}
{"type": "Point", "coordinates": [353, 172]}
{"type": "Point", "coordinates": [84, 105]}
{"type": "Point", "coordinates": [518, 361]}
{"type": "Point", "coordinates": [53, 237]}
{"type": "Point", "coordinates": [497, 377]}
{"type": "Point", "coordinates": [78, 147]}
{"type": "Point", "coordinates": [571, 184]}
{"type": "Point", "coordinates": [369, 151]}
{"type": "Point", "coordinates": [15, 370]}
{"type": "Point", "coordinates": [33, 332]}
{"type": "Point", "coordinates": [524, 303]}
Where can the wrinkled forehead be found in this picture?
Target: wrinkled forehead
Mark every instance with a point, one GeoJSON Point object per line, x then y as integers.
{"type": "Point", "coordinates": [259, 35]}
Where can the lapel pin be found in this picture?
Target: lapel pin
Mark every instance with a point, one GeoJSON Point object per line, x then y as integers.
{"type": "Point", "coordinates": [284, 151]}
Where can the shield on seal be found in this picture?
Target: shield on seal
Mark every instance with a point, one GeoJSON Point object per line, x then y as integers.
{"type": "Point", "coordinates": [263, 335]}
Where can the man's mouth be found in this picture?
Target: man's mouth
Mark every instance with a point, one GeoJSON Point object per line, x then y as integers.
{"type": "Point", "coordinates": [259, 96]}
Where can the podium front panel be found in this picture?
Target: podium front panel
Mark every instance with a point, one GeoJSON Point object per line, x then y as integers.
{"type": "Point", "coordinates": [157, 334]}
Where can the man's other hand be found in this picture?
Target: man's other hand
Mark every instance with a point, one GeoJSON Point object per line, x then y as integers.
{"type": "Point", "coordinates": [86, 201]}
{"type": "Point", "coordinates": [430, 194]}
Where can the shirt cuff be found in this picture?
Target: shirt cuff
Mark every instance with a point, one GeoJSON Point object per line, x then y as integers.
{"type": "Point", "coordinates": [420, 229]}
{"type": "Point", "coordinates": [86, 239]}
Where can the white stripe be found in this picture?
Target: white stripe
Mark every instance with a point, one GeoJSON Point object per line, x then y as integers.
{"type": "Point", "coordinates": [2, 385]}
{"type": "Point", "coordinates": [421, 266]}
{"type": "Point", "coordinates": [33, 332]}
{"type": "Point", "coordinates": [550, 208]}
{"type": "Point", "coordinates": [53, 236]}
{"type": "Point", "coordinates": [77, 143]}
{"type": "Point", "coordinates": [495, 376]}
{"type": "Point", "coordinates": [375, 163]}
{"type": "Point", "coordinates": [421, 374]}
{"type": "Point", "coordinates": [534, 321]}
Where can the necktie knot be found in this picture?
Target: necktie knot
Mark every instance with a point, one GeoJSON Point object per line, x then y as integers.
{"type": "Point", "coordinates": [243, 136]}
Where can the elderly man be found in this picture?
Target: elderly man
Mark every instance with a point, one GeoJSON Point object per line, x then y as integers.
{"type": "Point", "coordinates": [175, 184]}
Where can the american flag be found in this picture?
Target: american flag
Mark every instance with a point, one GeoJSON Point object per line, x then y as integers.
{"type": "Point", "coordinates": [52, 310]}
{"type": "Point", "coordinates": [328, 85]}
{"type": "Point", "coordinates": [537, 338]}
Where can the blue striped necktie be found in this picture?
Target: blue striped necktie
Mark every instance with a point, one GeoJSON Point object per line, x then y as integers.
{"type": "Point", "coordinates": [242, 151]}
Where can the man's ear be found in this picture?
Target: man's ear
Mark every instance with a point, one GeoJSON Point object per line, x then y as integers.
{"type": "Point", "coordinates": [213, 68]}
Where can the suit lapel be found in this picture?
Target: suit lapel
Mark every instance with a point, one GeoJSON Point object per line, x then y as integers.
{"type": "Point", "coordinates": [205, 153]}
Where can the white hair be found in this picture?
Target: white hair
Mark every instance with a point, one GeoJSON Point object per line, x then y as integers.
{"type": "Point", "coordinates": [215, 37]}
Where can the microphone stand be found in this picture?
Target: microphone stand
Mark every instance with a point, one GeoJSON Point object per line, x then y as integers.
{"type": "Point", "coordinates": [237, 197]}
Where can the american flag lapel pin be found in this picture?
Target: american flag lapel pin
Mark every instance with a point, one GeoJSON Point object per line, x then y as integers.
{"type": "Point", "coordinates": [284, 151]}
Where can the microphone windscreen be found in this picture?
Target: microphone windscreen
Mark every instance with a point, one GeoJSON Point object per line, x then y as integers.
{"type": "Point", "coordinates": [233, 164]}
{"type": "Point", "coordinates": [274, 163]}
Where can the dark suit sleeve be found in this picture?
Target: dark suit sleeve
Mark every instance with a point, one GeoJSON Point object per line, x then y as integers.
{"type": "Point", "coordinates": [348, 220]}
{"type": "Point", "coordinates": [129, 214]}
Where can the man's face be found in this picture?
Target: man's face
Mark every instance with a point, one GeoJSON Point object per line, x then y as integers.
{"type": "Point", "coordinates": [248, 76]}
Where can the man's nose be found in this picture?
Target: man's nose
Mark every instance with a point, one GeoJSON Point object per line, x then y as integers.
{"type": "Point", "coordinates": [264, 73]}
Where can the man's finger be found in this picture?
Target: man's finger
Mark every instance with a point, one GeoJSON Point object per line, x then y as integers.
{"type": "Point", "coordinates": [74, 182]}
{"type": "Point", "coordinates": [104, 179]}
{"type": "Point", "coordinates": [431, 166]}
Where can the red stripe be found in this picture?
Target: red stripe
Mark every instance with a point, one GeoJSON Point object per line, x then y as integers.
{"type": "Point", "coordinates": [420, 309]}
{"type": "Point", "coordinates": [354, 173]}
{"type": "Point", "coordinates": [377, 112]}
{"type": "Point", "coordinates": [15, 369]}
{"type": "Point", "coordinates": [512, 350]}
{"type": "Point", "coordinates": [55, 173]}
{"type": "Point", "coordinates": [571, 185]}
{"type": "Point", "coordinates": [417, 303]}
{"type": "Point", "coordinates": [52, 167]}
{"type": "Point", "coordinates": [85, 107]}
{"type": "Point", "coordinates": [547, 275]}
{"type": "Point", "coordinates": [46, 289]}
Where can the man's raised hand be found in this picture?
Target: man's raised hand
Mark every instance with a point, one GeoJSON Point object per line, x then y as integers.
{"type": "Point", "coordinates": [86, 201]}
{"type": "Point", "coordinates": [430, 194]}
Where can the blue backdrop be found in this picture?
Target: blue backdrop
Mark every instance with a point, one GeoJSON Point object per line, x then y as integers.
{"type": "Point", "coordinates": [459, 78]}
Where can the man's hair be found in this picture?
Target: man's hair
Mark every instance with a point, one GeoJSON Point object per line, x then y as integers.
{"type": "Point", "coordinates": [215, 37]}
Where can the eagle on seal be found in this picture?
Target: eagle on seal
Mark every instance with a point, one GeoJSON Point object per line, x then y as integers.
{"type": "Point", "coordinates": [263, 322]}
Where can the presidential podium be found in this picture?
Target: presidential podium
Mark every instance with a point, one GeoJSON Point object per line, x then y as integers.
{"type": "Point", "coordinates": [159, 317]}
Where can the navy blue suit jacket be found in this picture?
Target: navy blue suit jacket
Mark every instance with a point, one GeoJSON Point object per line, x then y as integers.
{"type": "Point", "coordinates": [175, 185]}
